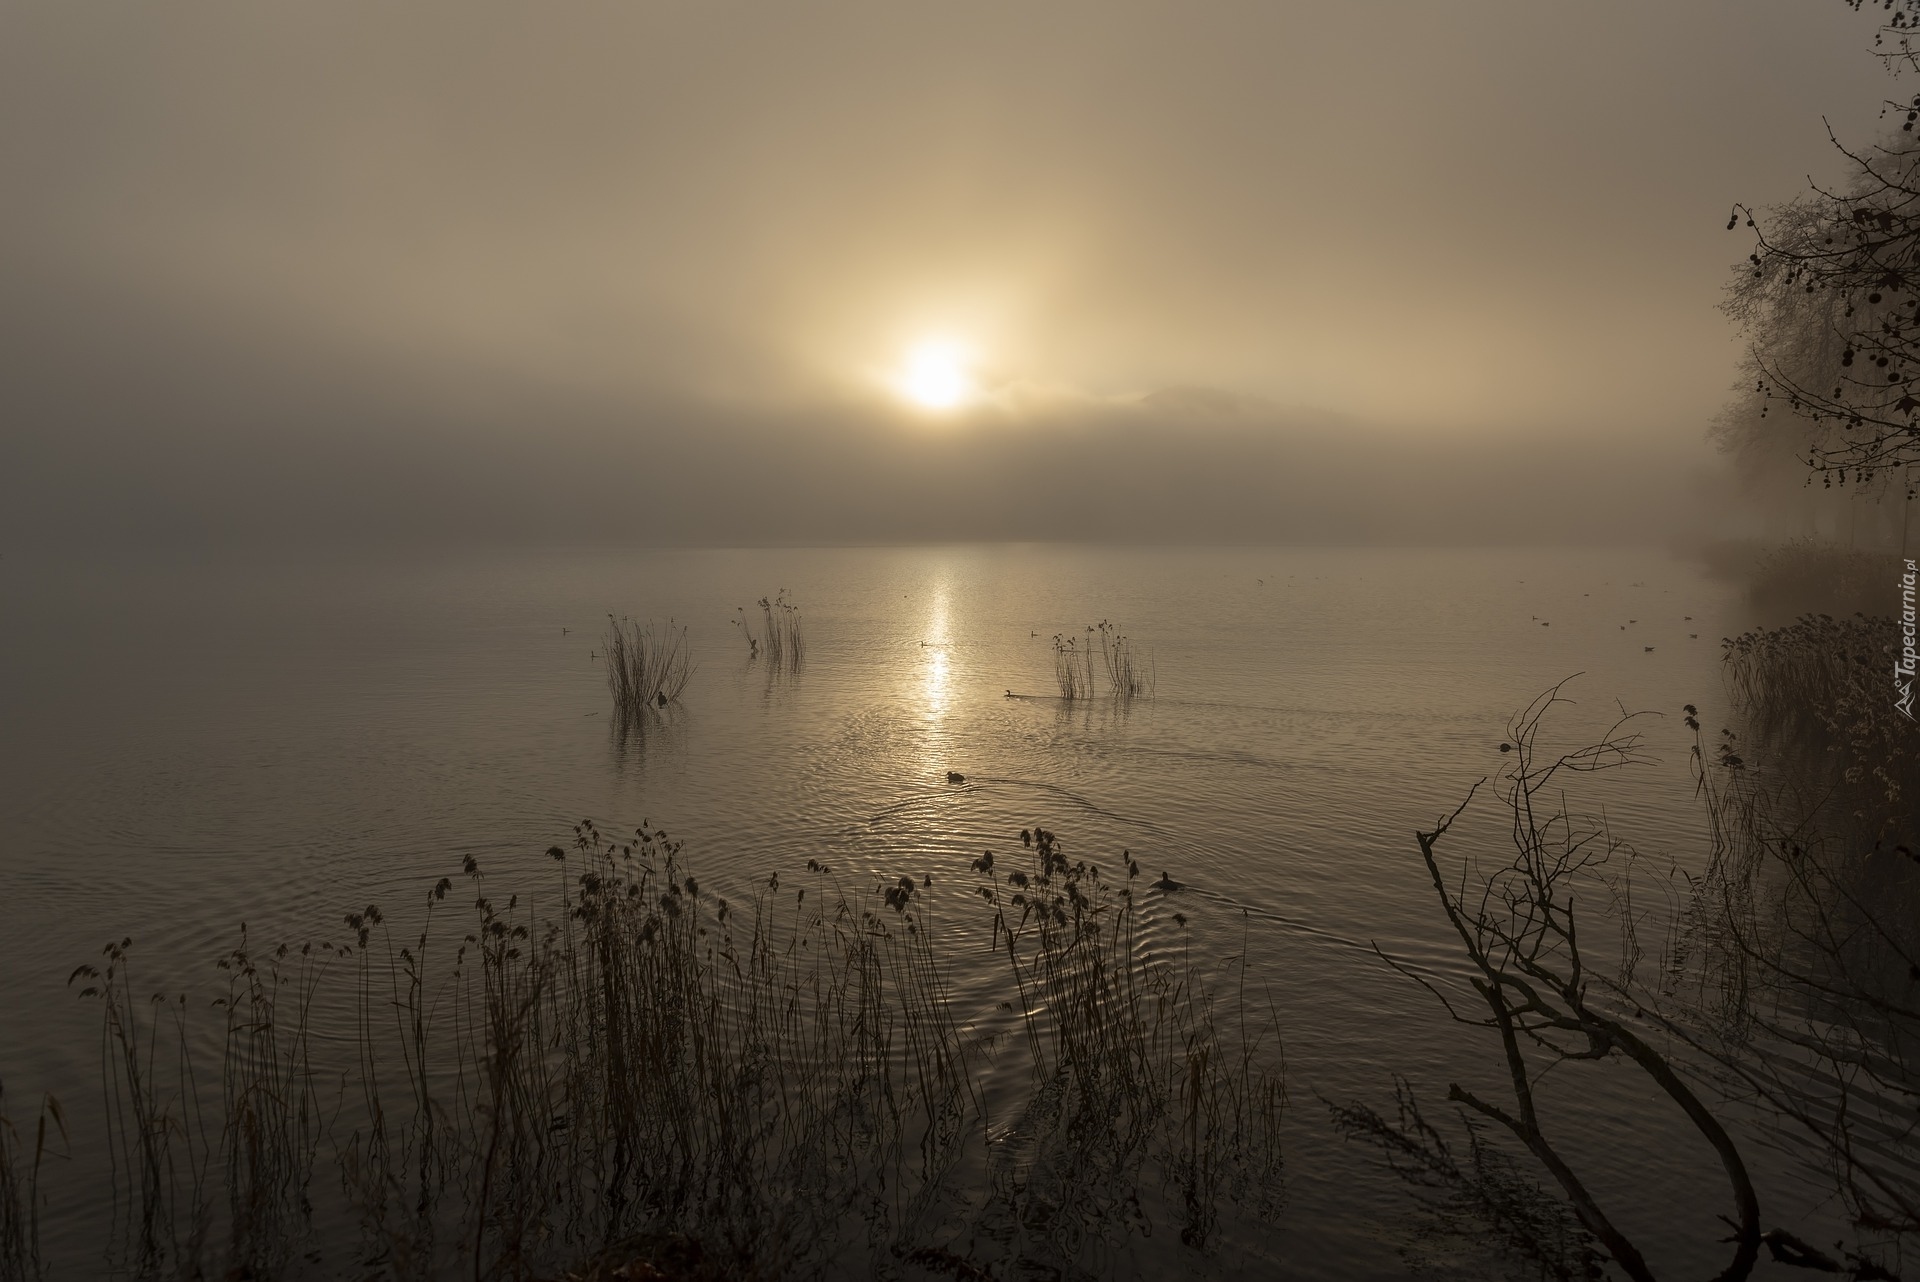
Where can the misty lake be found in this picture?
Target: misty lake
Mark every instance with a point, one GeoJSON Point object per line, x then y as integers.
{"type": "Point", "coordinates": [193, 743]}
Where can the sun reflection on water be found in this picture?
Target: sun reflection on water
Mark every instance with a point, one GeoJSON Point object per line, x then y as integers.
{"type": "Point", "coordinates": [935, 685]}
{"type": "Point", "coordinates": [935, 690]}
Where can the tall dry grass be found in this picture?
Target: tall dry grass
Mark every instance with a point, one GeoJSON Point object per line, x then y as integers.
{"type": "Point", "coordinates": [1129, 674]}
{"type": "Point", "coordinates": [782, 636]}
{"type": "Point", "coordinates": [20, 1197]}
{"type": "Point", "coordinates": [1073, 667]}
{"type": "Point", "coordinates": [647, 667]}
{"type": "Point", "coordinates": [787, 1079]}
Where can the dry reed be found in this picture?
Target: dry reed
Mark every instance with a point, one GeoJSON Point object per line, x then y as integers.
{"type": "Point", "coordinates": [646, 668]}
{"type": "Point", "coordinates": [785, 641]}
{"type": "Point", "coordinates": [1073, 667]}
{"type": "Point", "coordinates": [20, 1187]}
{"type": "Point", "coordinates": [1819, 691]}
{"type": "Point", "coordinates": [786, 1081]}
{"type": "Point", "coordinates": [1129, 673]}
{"type": "Point", "coordinates": [782, 637]}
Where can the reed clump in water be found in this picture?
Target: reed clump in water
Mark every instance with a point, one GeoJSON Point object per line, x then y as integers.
{"type": "Point", "coordinates": [647, 667]}
{"type": "Point", "coordinates": [1073, 667]}
{"type": "Point", "coordinates": [1129, 674]}
{"type": "Point", "coordinates": [785, 1079]}
{"type": "Point", "coordinates": [782, 638]}
{"type": "Point", "coordinates": [1126, 1046]}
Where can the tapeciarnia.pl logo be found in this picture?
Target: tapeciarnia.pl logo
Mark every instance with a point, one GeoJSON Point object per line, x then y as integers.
{"type": "Point", "coordinates": [1903, 667]}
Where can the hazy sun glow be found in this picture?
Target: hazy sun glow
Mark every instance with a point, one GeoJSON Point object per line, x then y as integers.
{"type": "Point", "coordinates": [935, 375]}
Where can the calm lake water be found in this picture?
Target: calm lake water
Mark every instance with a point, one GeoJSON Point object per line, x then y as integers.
{"type": "Point", "coordinates": [193, 743]}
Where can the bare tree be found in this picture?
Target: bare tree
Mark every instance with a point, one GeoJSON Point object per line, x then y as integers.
{"type": "Point", "coordinates": [1829, 300]}
{"type": "Point", "coordinates": [1809, 1024]}
{"type": "Point", "coordinates": [1519, 929]}
{"type": "Point", "coordinates": [1892, 41]}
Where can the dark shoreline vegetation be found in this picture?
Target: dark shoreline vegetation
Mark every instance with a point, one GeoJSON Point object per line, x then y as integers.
{"type": "Point", "coordinates": [782, 1084]}
{"type": "Point", "coordinates": [1789, 580]}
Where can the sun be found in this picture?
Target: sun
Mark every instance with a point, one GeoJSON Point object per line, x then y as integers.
{"type": "Point", "coordinates": [935, 375]}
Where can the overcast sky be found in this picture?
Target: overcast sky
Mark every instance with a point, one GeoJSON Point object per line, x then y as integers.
{"type": "Point", "coordinates": [653, 270]}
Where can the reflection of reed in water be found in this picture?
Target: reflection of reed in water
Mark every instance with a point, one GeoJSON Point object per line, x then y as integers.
{"type": "Point", "coordinates": [649, 731]}
{"type": "Point", "coordinates": [648, 1061]}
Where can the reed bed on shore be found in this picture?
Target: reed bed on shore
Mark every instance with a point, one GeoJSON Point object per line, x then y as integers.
{"type": "Point", "coordinates": [647, 667]}
{"type": "Point", "coordinates": [1802, 937]}
{"type": "Point", "coordinates": [1804, 575]}
{"type": "Point", "coordinates": [1822, 687]}
{"type": "Point", "coordinates": [20, 1184]}
{"type": "Point", "coordinates": [786, 1080]}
